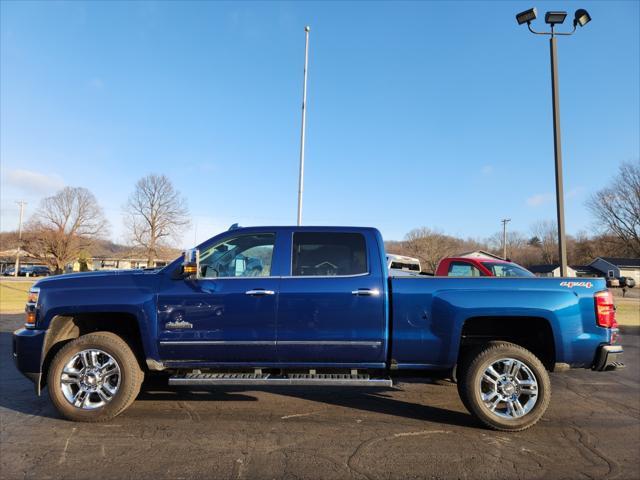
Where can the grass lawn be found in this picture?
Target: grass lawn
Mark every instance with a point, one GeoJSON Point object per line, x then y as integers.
{"type": "Point", "coordinates": [628, 311]}
{"type": "Point", "coordinates": [13, 295]}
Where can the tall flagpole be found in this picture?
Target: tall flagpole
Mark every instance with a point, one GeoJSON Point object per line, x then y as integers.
{"type": "Point", "coordinates": [16, 270]}
{"type": "Point", "coordinates": [307, 29]}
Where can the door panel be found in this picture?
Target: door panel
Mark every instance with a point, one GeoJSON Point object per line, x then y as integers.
{"type": "Point", "coordinates": [215, 320]}
{"type": "Point", "coordinates": [331, 306]}
{"type": "Point", "coordinates": [320, 320]}
{"type": "Point", "coordinates": [228, 315]}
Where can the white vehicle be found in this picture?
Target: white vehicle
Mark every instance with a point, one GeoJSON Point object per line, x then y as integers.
{"type": "Point", "coordinates": [401, 265]}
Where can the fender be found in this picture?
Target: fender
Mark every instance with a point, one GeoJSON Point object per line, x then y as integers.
{"type": "Point", "coordinates": [560, 309]}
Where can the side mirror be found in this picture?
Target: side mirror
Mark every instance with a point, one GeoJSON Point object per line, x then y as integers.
{"type": "Point", "coordinates": [191, 263]}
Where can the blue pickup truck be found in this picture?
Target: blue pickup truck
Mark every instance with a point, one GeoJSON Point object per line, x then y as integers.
{"type": "Point", "coordinates": [310, 306]}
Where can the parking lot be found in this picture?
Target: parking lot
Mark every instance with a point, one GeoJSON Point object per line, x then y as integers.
{"type": "Point", "coordinates": [591, 430]}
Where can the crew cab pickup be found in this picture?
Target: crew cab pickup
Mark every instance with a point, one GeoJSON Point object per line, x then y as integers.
{"type": "Point", "coordinates": [309, 306]}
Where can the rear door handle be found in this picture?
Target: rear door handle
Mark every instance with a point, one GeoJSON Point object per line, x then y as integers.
{"type": "Point", "coordinates": [259, 292]}
{"type": "Point", "coordinates": [366, 292]}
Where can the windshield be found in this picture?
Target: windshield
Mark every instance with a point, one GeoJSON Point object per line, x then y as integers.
{"type": "Point", "coordinates": [507, 270]}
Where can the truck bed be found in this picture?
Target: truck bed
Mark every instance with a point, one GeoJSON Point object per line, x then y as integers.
{"type": "Point", "coordinates": [428, 314]}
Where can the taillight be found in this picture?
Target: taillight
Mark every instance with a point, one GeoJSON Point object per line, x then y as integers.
{"type": "Point", "coordinates": [605, 310]}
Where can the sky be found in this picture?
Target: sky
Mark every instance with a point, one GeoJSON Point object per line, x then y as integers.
{"type": "Point", "coordinates": [433, 114]}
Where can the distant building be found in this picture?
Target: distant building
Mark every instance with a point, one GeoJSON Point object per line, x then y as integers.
{"type": "Point", "coordinates": [124, 260]}
{"type": "Point", "coordinates": [8, 259]}
{"type": "Point", "coordinates": [587, 271]}
{"type": "Point", "coordinates": [113, 263]}
{"type": "Point", "coordinates": [551, 270]}
{"type": "Point", "coordinates": [615, 267]}
{"type": "Point", "coordinates": [480, 254]}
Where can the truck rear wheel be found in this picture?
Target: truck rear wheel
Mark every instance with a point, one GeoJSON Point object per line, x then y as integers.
{"type": "Point", "coordinates": [505, 386]}
{"type": "Point", "coordinates": [94, 378]}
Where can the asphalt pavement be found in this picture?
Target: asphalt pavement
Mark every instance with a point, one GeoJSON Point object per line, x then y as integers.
{"type": "Point", "coordinates": [415, 431]}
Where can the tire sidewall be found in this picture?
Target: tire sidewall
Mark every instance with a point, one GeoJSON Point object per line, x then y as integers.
{"type": "Point", "coordinates": [473, 392]}
{"type": "Point", "coordinates": [115, 347]}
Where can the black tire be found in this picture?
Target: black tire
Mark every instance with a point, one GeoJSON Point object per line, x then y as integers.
{"type": "Point", "coordinates": [130, 377]}
{"type": "Point", "coordinates": [471, 390]}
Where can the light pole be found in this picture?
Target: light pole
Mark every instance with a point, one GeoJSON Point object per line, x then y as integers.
{"type": "Point", "coordinates": [307, 29]}
{"type": "Point", "coordinates": [16, 269]}
{"type": "Point", "coordinates": [504, 236]}
{"type": "Point", "coordinates": [581, 18]}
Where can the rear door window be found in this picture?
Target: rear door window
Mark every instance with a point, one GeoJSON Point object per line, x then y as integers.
{"type": "Point", "coordinates": [328, 254]}
{"type": "Point", "coordinates": [463, 269]}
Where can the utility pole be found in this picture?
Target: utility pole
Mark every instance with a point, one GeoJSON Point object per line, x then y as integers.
{"type": "Point", "coordinates": [22, 203]}
{"type": "Point", "coordinates": [504, 237]}
{"type": "Point", "coordinates": [307, 29]}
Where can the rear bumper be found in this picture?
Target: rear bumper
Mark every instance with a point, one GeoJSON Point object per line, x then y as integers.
{"type": "Point", "coordinates": [608, 357]}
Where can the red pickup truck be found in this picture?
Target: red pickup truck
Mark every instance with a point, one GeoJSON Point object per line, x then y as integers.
{"type": "Point", "coordinates": [479, 267]}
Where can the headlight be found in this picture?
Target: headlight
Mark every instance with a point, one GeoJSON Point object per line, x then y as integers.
{"type": "Point", "coordinates": [30, 308]}
{"type": "Point", "coordinates": [34, 293]}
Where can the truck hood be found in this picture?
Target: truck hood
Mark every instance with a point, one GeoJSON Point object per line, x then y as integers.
{"type": "Point", "coordinates": [82, 278]}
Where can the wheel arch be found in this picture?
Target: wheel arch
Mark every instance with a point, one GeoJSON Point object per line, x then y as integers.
{"type": "Point", "coordinates": [66, 327]}
{"type": "Point", "coordinates": [531, 332]}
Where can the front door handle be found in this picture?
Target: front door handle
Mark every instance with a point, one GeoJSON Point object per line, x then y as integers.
{"type": "Point", "coordinates": [366, 292]}
{"type": "Point", "coordinates": [259, 292]}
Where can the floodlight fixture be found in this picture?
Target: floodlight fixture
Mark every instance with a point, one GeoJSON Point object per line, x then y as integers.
{"type": "Point", "coordinates": [555, 18]}
{"type": "Point", "coordinates": [527, 16]}
{"type": "Point", "coordinates": [581, 17]}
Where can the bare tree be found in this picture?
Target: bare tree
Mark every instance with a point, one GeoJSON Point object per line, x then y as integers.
{"type": "Point", "coordinates": [516, 241]}
{"type": "Point", "coordinates": [546, 234]}
{"type": "Point", "coordinates": [156, 215]}
{"type": "Point", "coordinates": [617, 207]}
{"type": "Point", "coordinates": [64, 224]}
{"type": "Point", "coordinates": [430, 246]}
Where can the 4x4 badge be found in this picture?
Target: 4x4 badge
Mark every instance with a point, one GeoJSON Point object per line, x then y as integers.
{"type": "Point", "coordinates": [576, 284]}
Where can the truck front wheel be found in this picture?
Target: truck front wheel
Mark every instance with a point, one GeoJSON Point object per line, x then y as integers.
{"type": "Point", "coordinates": [94, 377]}
{"type": "Point", "coordinates": [505, 386]}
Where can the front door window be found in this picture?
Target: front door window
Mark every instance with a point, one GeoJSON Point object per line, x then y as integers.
{"type": "Point", "coordinates": [242, 256]}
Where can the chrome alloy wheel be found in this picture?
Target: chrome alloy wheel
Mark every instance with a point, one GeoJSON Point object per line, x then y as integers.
{"type": "Point", "coordinates": [90, 379]}
{"type": "Point", "coordinates": [509, 389]}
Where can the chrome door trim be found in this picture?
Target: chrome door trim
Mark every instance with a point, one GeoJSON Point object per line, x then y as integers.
{"type": "Point", "coordinates": [217, 342]}
{"type": "Point", "coordinates": [270, 342]}
{"type": "Point", "coordinates": [325, 276]}
{"type": "Point", "coordinates": [356, 343]}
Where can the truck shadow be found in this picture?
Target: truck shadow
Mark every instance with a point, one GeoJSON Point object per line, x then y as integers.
{"type": "Point", "coordinates": [373, 400]}
{"type": "Point", "coordinates": [17, 394]}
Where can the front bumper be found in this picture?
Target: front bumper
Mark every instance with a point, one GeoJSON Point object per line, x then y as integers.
{"type": "Point", "coordinates": [27, 352]}
{"type": "Point", "coordinates": [608, 357]}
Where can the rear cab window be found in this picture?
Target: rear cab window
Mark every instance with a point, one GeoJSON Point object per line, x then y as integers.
{"type": "Point", "coordinates": [328, 254]}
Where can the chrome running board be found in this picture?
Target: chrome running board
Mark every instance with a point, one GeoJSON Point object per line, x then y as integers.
{"type": "Point", "coordinates": [306, 379]}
